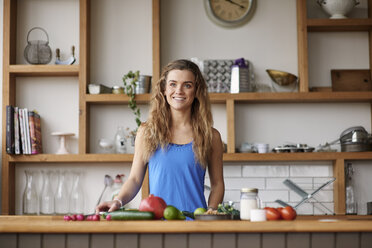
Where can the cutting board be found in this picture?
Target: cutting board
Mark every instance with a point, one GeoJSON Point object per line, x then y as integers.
{"type": "Point", "coordinates": [351, 80]}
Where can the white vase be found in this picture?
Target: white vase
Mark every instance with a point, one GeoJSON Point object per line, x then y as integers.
{"type": "Point", "coordinates": [338, 9]}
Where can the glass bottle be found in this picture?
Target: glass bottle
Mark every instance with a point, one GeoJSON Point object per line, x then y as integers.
{"type": "Point", "coordinates": [47, 194]}
{"type": "Point", "coordinates": [77, 195]}
{"type": "Point", "coordinates": [30, 196]}
{"type": "Point", "coordinates": [120, 146]}
{"type": "Point", "coordinates": [118, 183]}
{"type": "Point", "coordinates": [61, 200]}
{"type": "Point", "coordinates": [248, 200]}
{"type": "Point", "coordinates": [351, 206]}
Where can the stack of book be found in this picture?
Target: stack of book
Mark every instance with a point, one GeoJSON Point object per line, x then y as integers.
{"type": "Point", "coordinates": [23, 131]}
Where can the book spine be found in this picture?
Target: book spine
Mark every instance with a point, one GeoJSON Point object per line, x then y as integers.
{"type": "Point", "coordinates": [27, 132]}
{"type": "Point", "coordinates": [10, 129]}
{"type": "Point", "coordinates": [31, 122]}
{"type": "Point", "coordinates": [39, 144]}
{"type": "Point", "coordinates": [22, 129]}
{"type": "Point", "coordinates": [17, 145]}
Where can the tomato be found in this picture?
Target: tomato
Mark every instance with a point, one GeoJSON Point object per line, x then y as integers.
{"type": "Point", "coordinates": [288, 213]}
{"type": "Point", "coordinates": [272, 214]}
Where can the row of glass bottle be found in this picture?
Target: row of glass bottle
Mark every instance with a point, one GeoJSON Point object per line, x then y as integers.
{"type": "Point", "coordinates": [48, 202]}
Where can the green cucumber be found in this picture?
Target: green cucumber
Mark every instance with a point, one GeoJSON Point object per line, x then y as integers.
{"type": "Point", "coordinates": [131, 215]}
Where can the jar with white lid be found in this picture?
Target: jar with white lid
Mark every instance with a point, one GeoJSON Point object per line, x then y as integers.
{"type": "Point", "coordinates": [248, 200]}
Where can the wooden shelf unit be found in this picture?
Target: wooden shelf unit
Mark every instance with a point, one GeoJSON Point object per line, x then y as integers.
{"type": "Point", "coordinates": [82, 71]}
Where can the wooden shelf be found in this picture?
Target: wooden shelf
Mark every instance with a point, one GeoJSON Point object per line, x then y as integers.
{"type": "Point", "coordinates": [311, 156]}
{"type": "Point", "coordinates": [249, 97]}
{"type": "Point", "coordinates": [70, 158]}
{"type": "Point", "coordinates": [339, 25]}
{"type": "Point", "coordinates": [227, 157]}
{"type": "Point", "coordinates": [44, 70]}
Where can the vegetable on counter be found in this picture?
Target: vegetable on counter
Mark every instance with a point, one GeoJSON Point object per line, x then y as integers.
{"type": "Point", "coordinates": [153, 204]}
{"type": "Point", "coordinates": [130, 215]}
{"type": "Point", "coordinates": [286, 213]}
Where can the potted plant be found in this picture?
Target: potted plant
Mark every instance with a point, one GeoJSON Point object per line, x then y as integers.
{"type": "Point", "coordinates": [129, 81]}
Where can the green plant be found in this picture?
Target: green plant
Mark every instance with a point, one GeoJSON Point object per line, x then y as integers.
{"type": "Point", "coordinates": [129, 81]}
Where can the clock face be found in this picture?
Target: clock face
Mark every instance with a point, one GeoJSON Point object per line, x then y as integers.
{"type": "Point", "coordinates": [230, 13]}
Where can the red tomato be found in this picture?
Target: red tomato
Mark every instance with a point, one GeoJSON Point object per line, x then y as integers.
{"type": "Point", "coordinates": [272, 214]}
{"type": "Point", "coordinates": [288, 213]}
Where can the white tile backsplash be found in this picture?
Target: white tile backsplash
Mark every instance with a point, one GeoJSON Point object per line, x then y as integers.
{"type": "Point", "coordinates": [266, 171]}
{"type": "Point", "coordinates": [269, 180]}
{"type": "Point", "coordinates": [326, 208]}
{"type": "Point", "coordinates": [310, 171]}
{"type": "Point", "coordinates": [238, 183]}
{"type": "Point", "coordinates": [272, 195]}
{"type": "Point", "coordinates": [319, 181]}
{"type": "Point", "coordinates": [232, 171]}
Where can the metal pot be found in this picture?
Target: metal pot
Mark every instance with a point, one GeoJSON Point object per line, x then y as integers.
{"type": "Point", "coordinates": [355, 139]}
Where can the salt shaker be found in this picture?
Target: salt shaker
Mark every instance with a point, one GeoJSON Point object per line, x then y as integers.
{"type": "Point", "coordinates": [248, 200]}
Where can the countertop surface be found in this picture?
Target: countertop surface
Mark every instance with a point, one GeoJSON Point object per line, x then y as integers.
{"type": "Point", "coordinates": [56, 224]}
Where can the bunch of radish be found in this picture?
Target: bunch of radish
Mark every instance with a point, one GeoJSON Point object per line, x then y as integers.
{"type": "Point", "coordinates": [81, 217]}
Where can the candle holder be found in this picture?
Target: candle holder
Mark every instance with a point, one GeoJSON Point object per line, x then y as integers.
{"type": "Point", "coordinates": [62, 141]}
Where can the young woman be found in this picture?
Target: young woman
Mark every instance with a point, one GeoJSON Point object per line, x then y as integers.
{"type": "Point", "coordinates": [177, 144]}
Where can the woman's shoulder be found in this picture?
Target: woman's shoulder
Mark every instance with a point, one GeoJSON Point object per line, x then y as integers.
{"type": "Point", "coordinates": [216, 134]}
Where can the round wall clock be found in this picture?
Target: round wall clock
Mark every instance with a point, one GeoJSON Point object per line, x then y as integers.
{"type": "Point", "coordinates": [230, 13]}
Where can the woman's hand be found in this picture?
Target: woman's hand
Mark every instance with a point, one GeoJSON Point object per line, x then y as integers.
{"type": "Point", "coordinates": [108, 206]}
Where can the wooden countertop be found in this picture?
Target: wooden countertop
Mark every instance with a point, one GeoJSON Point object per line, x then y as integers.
{"type": "Point", "coordinates": [56, 224]}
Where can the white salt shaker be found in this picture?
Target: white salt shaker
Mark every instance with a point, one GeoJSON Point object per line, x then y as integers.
{"type": "Point", "coordinates": [248, 200]}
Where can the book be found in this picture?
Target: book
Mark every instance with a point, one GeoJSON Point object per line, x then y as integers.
{"type": "Point", "coordinates": [10, 129]}
{"type": "Point", "coordinates": [22, 130]}
{"type": "Point", "coordinates": [17, 141]}
{"type": "Point", "coordinates": [35, 132]}
{"type": "Point", "coordinates": [27, 132]}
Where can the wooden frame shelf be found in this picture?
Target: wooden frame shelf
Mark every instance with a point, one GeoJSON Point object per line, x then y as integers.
{"type": "Point", "coordinates": [227, 157]}
{"type": "Point", "coordinates": [339, 25]}
{"type": "Point", "coordinates": [249, 97]}
{"type": "Point", "coordinates": [44, 70]}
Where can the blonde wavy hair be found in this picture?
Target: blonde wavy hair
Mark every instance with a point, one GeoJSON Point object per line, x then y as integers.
{"type": "Point", "coordinates": [157, 129]}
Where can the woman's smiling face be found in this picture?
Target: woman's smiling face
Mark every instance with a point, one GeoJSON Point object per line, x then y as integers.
{"type": "Point", "coordinates": [180, 89]}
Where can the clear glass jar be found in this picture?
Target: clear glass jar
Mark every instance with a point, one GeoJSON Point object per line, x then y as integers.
{"type": "Point", "coordinates": [77, 195]}
{"type": "Point", "coordinates": [120, 140]}
{"type": "Point", "coordinates": [117, 90]}
{"type": "Point", "coordinates": [61, 198]}
{"type": "Point", "coordinates": [30, 196]}
{"type": "Point", "coordinates": [248, 200]}
{"type": "Point", "coordinates": [47, 195]}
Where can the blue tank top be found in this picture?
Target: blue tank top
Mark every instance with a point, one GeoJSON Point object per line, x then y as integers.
{"type": "Point", "coordinates": [175, 176]}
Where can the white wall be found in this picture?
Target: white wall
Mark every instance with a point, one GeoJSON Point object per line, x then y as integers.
{"type": "Point", "coordinates": [269, 40]}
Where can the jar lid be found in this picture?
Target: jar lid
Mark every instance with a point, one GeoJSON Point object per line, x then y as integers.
{"type": "Point", "coordinates": [249, 190]}
{"type": "Point", "coordinates": [117, 87]}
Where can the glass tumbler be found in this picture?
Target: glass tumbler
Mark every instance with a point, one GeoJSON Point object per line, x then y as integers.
{"type": "Point", "coordinates": [30, 196]}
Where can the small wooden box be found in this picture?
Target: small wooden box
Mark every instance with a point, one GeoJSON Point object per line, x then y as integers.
{"type": "Point", "coordinates": [351, 80]}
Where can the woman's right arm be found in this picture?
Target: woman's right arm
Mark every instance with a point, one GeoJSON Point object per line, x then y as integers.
{"type": "Point", "coordinates": [133, 184]}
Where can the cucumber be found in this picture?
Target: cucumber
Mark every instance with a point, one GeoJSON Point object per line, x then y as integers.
{"type": "Point", "coordinates": [131, 215]}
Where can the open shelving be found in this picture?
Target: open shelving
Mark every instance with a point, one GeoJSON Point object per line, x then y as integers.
{"type": "Point", "coordinates": [11, 71]}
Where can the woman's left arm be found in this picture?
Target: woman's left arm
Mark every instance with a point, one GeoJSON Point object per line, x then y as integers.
{"type": "Point", "coordinates": [215, 170]}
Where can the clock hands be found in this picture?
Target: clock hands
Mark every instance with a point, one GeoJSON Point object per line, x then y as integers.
{"type": "Point", "coordinates": [230, 1]}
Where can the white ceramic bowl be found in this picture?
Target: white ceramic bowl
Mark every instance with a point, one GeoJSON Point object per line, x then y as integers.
{"type": "Point", "coordinates": [338, 9]}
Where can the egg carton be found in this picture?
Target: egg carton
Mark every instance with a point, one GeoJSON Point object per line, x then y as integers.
{"type": "Point", "coordinates": [217, 74]}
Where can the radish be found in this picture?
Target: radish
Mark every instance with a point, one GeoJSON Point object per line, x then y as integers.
{"type": "Point", "coordinates": [67, 217]}
{"type": "Point", "coordinates": [153, 204]}
{"type": "Point", "coordinates": [80, 217]}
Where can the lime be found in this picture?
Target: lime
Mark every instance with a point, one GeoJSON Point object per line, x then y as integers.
{"type": "Point", "coordinates": [200, 211]}
{"type": "Point", "coordinates": [171, 213]}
